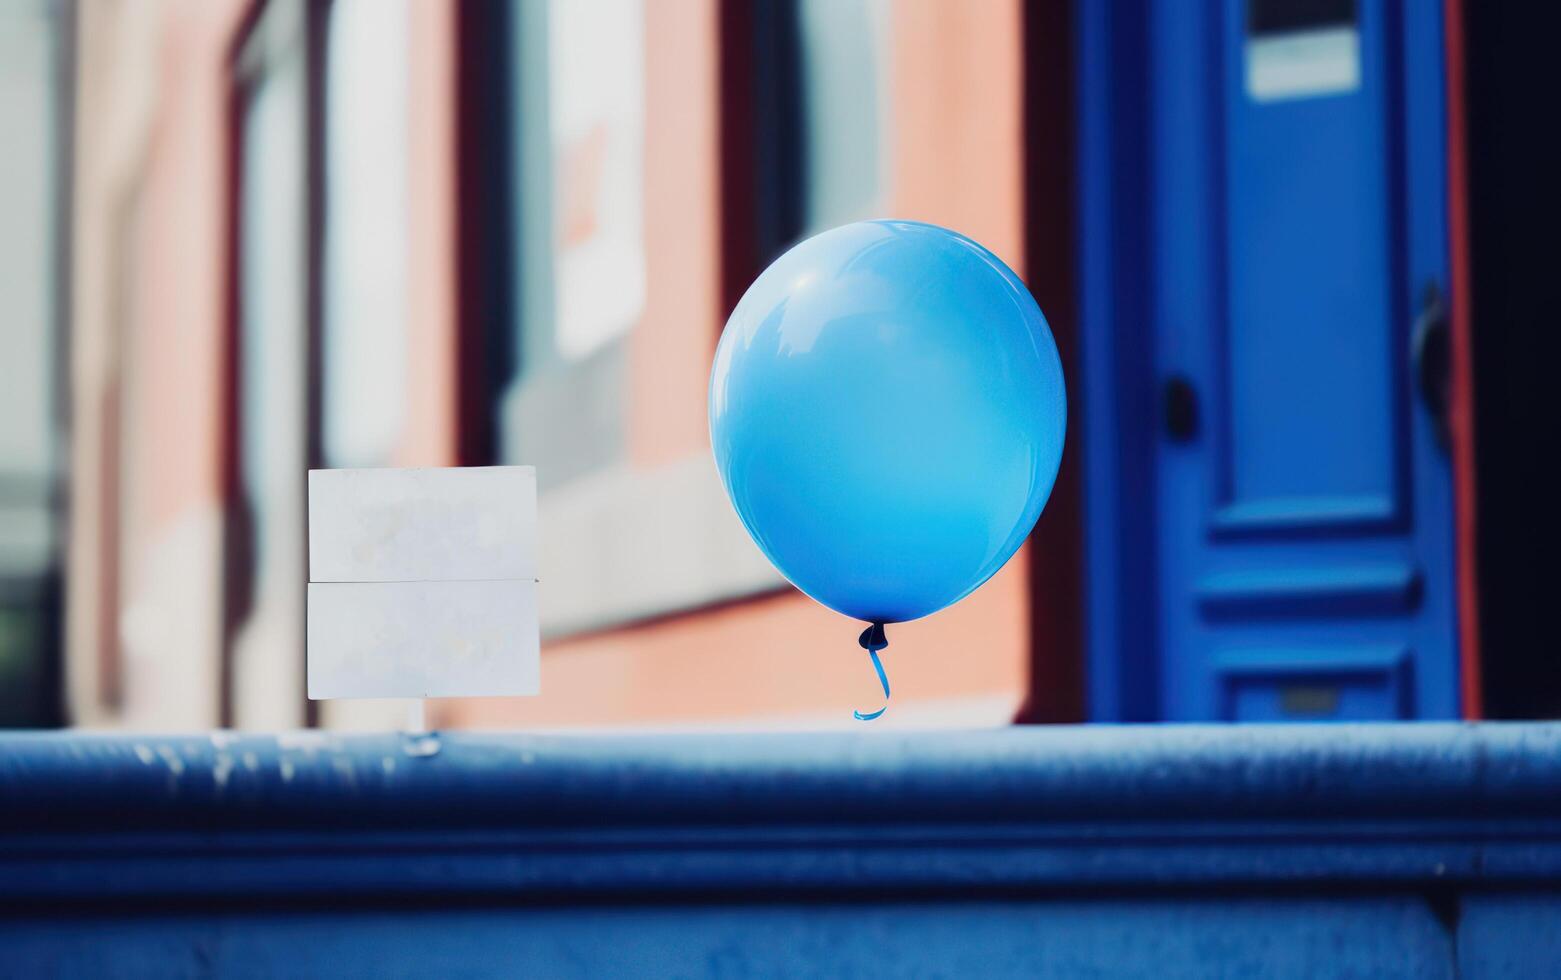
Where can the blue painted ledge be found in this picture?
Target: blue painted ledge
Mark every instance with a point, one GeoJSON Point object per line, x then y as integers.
{"type": "Point", "coordinates": [100, 817]}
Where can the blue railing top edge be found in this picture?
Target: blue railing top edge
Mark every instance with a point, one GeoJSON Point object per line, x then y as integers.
{"type": "Point", "coordinates": [53, 782]}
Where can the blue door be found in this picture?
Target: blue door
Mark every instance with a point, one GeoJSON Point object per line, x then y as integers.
{"type": "Point", "coordinates": [1297, 553]}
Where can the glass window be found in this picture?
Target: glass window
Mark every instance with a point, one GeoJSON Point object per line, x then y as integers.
{"type": "Point", "coordinates": [842, 54]}
{"type": "Point", "coordinates": [28, 246]}
{"type": "Point", "coordinates": [273, 368]}
{"type": "Point", "coordinates": [596, 141]}
{"type": "Point", "coordinates": [31, 438]}
{"type": "Point", "coordinates": [322, 319]}
{"type": "Point", "coordinates": [820, 117]}
{"type": "Point", "coordinates": [577, 80]}
{"type": "Point", "coordinates": [364, 342]}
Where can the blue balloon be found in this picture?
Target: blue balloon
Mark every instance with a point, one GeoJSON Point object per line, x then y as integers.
{"type": "Point", "coordinates": [887, 413]}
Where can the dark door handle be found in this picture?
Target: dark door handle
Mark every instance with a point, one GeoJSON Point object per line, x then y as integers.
{"type": "Point", "coordinates": [1430, 355]}
{"type": "Point", "coordinates": [1181, 408]}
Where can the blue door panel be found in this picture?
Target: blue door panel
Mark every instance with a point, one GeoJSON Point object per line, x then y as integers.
{"type": "Point", "coordinates": [1299, 559]}
{"type": "Point", "coordinates": [1309, 417]}
{"type": "Point", "coordinates": [1359, 588]}
{"type": "Point", "coordinates": [1338, 682]}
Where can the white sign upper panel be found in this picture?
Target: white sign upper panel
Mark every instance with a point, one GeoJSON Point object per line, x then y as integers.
{"type": "Point", "coordinates": [423, 525]}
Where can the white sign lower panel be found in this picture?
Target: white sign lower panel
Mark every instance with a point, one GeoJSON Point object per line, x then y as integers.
{"type": "Point", "coordinates": [423, 639]}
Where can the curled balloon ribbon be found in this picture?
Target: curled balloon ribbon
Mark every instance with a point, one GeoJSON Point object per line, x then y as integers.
{"type": "Point", "coordinates": [873, 640]}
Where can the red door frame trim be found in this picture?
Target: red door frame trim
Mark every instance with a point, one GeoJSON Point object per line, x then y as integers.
{"type": "Point", "coordinates": [1461, 404]}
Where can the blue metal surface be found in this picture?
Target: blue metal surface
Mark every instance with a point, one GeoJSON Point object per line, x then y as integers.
{"type": "Point", "coordinates": [1300, 937]}
{"type": "Point", "coordinates": [1165, 850]}
{"type": "Point", "coordinates": [1279, 248]}
{"type": "Point", "coordinates": [93, 815]}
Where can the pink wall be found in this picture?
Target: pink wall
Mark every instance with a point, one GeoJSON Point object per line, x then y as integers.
{"type": "Point", "coordinates": [957, 160]}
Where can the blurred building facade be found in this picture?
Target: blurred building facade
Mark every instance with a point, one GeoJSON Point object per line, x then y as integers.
{"type": "Point", "coordinates": [397, 233]}
{"type": "Point", "coordinates": [285, 234]}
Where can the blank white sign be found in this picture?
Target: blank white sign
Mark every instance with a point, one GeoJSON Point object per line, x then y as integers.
{"type": "Point", "coordinates": [423, 583]}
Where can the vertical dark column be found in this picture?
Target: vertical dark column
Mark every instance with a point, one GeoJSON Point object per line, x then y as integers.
{"type": "Point", "coordinates": [487, 354]}
{"type": "Point", "coordinates": [1056, 691]}
{"type": "Point", "coordinates": [739, 151]}
{"type": "Point", "coordinates": [1513, 159]}
{"type": "Point", "coordinates": [51, 709]}
{"type": "Point", "coordinates": [237, 526]}
{"type": "Point", "coordinates": [762, 139]}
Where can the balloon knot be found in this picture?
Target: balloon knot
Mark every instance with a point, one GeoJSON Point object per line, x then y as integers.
{"type": "Point", "coordinates": [873, 638]}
